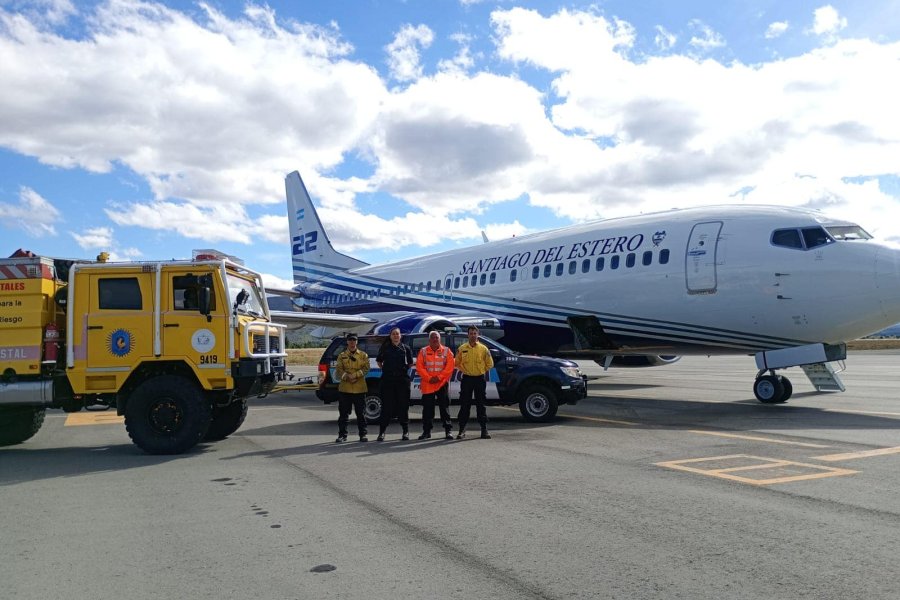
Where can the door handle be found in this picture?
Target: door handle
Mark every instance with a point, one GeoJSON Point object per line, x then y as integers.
{"type": "Point", "coordinates": [171, 325]}
{"type": "Point", "coordinates": [95, 326]}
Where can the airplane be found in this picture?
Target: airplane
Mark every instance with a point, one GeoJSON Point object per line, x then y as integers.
{"type": "Point", "coordinates": [787, 285]}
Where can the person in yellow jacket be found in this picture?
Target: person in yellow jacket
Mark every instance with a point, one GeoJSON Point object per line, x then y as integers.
{"type": "Point", "coordinates": [352, 365]}
{"type": "Point", "coordinates": [474, 361]}
{"type": "Point", "coordinates": [434, 365]}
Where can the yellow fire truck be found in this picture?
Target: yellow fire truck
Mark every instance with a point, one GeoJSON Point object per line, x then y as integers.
{"type": "Point", "coordinates": [176, 347]}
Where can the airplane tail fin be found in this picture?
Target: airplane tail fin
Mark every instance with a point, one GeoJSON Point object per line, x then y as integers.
{"type": "Point", "coordinates": [311, 250]}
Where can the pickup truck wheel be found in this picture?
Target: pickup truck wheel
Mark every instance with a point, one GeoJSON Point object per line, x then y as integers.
{"type": "Point", "coordinates": [226, 420]}
{"type": "Point", "coordinates": [372, 407]}
{"type": "Point", "coordinates": [167, 415]}
{"type": "Point", "coordinates": [19, 423]}
{"type": "Point", "coordinates": [538, 403]}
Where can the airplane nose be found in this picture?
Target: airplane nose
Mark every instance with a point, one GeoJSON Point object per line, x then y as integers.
{"type": "Point", "coordinates": [887, 281]}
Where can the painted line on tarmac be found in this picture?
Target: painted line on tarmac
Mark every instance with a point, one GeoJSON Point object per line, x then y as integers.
{"type": "Point", "coordinates": [577, 417]}
{"type": "Point", "coordinates": [93, 418]}
{"type": "Point", "coordinates": [863, 412]}
{"type": "Point", "coordinates": [757, 438]}
{"type": "Point", "coordinates": [855, 455]}
{"type": "Point", "coordinates": [755, 470]}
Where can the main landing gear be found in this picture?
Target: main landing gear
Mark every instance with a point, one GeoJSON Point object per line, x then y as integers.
{"type": "Point", "coordinates": [772, 388]}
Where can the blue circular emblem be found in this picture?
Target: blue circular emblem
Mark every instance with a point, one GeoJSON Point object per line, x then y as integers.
{"type": "Point", "coordinates": [120, 342]}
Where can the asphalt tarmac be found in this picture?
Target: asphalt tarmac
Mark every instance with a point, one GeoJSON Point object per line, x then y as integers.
{"type": "Point", "coordinates": [669, 482]}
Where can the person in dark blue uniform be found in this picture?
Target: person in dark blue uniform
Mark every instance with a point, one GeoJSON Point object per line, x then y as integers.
{"type": "Point", "coordinates": [395, 360]}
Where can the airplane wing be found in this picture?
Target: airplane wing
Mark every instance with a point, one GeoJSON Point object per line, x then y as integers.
{"type": "Point", "coordinates": [340, 323]}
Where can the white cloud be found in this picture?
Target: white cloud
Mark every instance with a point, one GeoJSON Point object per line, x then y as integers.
{"type": "Point", "coordinates": [33, 214]}
{"type": "Point", "coordinates": [200, 106]}
{"type": "Point", "coordinates": [776, 29]}
{"type": "Point", "coordinates": [705, 38]}
{"type": "Point", "coordinates": [95, 238]}
{"type": "Point", "coordinates": [403, 53]}
{"type": "Point", "coordinates": [664, 39]}
{"type": "Point", "coordinates": [827, 22]}
{"type": "Point", "coordinates": [502, 231]}
{"type": "Point", "coordinates": [463, 60]}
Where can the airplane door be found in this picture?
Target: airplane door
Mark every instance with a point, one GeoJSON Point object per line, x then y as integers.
{"type": "Point", "coordinates": [700, 259]}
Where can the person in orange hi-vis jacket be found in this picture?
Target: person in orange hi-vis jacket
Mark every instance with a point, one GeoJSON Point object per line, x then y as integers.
{"type": "Point", "coordinates": [434, 364]}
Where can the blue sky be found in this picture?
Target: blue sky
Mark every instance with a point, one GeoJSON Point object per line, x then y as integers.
{"type": "Point", "coordinates": [148, 129]}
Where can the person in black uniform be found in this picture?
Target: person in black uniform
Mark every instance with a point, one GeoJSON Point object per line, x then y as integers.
{"type": "Point", "coordinates": [394, 359]}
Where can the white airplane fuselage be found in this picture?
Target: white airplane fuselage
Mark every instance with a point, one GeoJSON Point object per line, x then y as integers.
{"type": "Point", "coordinates": [703, 280]}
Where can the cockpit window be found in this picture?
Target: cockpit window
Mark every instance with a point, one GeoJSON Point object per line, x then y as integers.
{"type": "Point", "coordinates": [815, 236]}
{"type": "Point", "coordinates": [848, 232]}
{"type": "Point", "coordinates": [787, 238]}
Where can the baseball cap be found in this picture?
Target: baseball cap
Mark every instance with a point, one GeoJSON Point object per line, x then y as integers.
{"type": "Point", "coordinates": [351, 336]}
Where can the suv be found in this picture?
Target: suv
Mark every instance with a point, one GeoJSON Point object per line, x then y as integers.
{"type": "Point", "coordinates": [538, 384]}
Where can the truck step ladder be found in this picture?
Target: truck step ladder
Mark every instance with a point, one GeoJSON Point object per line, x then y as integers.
{"type": "Point", "coordinates": [824, 376]}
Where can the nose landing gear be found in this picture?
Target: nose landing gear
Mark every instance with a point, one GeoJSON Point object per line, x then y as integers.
{"type": "Point", "coordinates": [772, 388]}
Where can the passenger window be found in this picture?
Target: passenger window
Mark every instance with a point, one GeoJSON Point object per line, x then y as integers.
{"type": "Point", "coordinates": [456, 283]}
{"type": "Point", "coordinates": [428, 286]}
{"type": "Point", "coordinates": [573, 266]}
{"type": "Point", "coordinates": [586, 265]}
{"type": "Point", "coordinates": [483, 278]}
{"type": "Point", "coordinates": [465, 282]}
{"type": "Point", "coordinates": [559, 269]}
{"type": "Point", "coordinates": [437, 285]}
{"type": "Point", "coordinates": [493, 277]}
{"type": "Point", "coordinates": [600, 263]}
{"type": "Point", "coordinates": [815, 236]}
{"type": "Point", "coordinates": [512, 275]}
{"type": "Point", "coordinates": [787, 238]}
{"type": "Point", "coordinates": [664, 257]}
{"type": "Point", "coordinates": [629, 260]}
{"type": "Point", "coordinates": [547, 271]}
{"type": "Point", "coordinates": [535, 272]}
{"type": "Point", "coordinates": [120, 294]}
{"type": "Point", "coordinates": [614, 262]}
{"type": "Point", "coordinates": [647, 258]}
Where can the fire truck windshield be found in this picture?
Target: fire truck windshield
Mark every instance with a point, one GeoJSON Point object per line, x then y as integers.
{"type": "Point", "coordinates": [250, 301]}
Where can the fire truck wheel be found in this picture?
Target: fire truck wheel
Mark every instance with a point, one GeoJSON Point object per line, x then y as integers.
{"type": "Point", "coordinates": [226, 420]}
{"type": "Point", "coordinates": [18, 423]}
{"type": "Point", "coordinates": [167, 415]}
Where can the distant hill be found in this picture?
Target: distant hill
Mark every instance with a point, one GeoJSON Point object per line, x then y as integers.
{"type": "Point", "coordinates": [892, 331]}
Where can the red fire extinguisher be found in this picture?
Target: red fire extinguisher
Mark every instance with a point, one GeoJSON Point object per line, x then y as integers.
{"type": "Point", "coordinates": [51, 343]}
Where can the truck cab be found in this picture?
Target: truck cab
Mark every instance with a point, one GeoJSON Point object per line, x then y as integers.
{"type": "Point", "coordinates": [537, 384]}
{"type": "Point", "coordinates": [176, 347]}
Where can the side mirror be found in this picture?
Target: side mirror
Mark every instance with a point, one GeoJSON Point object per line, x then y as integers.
{"type": "Point", "coordinates": [203, 300]}
{"type": "Point", "coordinates": [61, 297]}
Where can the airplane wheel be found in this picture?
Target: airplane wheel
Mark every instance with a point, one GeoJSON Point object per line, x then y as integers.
{"type": "Point", "coordinates": [768, 389]}
{"type": "Point", "coordinates": [788, 389]}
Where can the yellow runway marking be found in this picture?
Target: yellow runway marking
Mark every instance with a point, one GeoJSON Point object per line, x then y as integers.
{"type": "Point", "coordinates": [862, 454]}
{"type": "Point", "coordinates": [767, 471]}
{"type": "Point", "coordinates": [578, 417]}
{"type": "Point", "coordinates": [93, 418]}
{"type": "Point", "coordinates": [863, 412]}
{"type": "Point", "coordinates": [757, 438]}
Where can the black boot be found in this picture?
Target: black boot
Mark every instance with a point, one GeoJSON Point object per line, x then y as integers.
{"type": "Point", "coordinates": [484, 434]}
{"type": "Point", "coordinates": [380, 437]}
{"type": "Point", "coordinates": [426, 435]}
{"type": "Point", "coordinates": [405, 436]}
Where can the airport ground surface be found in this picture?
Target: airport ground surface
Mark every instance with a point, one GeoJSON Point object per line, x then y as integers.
{"type": "Point", "coordinates": [665, 483]}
